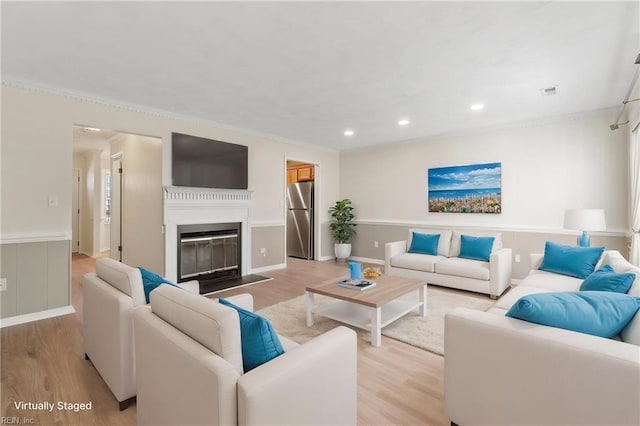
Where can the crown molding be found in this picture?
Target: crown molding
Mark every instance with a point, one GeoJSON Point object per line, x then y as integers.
{"type": "Point", "coordinates": [32, 86]}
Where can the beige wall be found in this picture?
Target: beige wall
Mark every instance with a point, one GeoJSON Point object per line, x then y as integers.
{"type": "Point", "coordinates": [36, 163]}
{"type": "Point", "coordinates": [271, 239]}
{"type": "Point", "coordinates": [547, 166]}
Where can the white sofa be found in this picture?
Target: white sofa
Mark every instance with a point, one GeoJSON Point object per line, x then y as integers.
{"type": "Point", "coordinates": [504, 371]}
{"type": "Point", "coordinates": [447, 269]}
{"type": "Point", "coordinates": [109, 297]}
{"type": "Point", "coordinates": [190, 369]}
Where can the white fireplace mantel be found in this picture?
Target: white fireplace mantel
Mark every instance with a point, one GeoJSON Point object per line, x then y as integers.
{"type": "Point", "coordinates": [191, 206]}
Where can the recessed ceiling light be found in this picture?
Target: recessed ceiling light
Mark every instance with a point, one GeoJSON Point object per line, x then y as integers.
{"type": "Point", "coordinates": [476, 107]}
{"type": "Point", "coordinates": [403, 122]}
{"type": "Point", "coordinates": [348, 132]}
{"type": "Point", "coordinates": [91, 129]}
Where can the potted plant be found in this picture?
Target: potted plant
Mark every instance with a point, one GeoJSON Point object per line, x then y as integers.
{"type": "Point", "coordinates": [342, 227]}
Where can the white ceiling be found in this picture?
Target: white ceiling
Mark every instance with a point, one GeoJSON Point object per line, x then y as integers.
{"type": "Point", "coordinates": [306, 71]}
{"type": "Point", "coordinates": [91, 139]}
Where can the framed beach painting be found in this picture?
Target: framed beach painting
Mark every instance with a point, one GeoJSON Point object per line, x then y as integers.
{"type": "Point", "coordinates": [476, 188]}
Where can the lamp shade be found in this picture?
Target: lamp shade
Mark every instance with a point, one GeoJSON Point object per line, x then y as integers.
{"type": "Point", "coordinates": [585, 219]}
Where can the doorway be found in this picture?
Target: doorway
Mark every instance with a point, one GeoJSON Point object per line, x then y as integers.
{"type": "Point", "coordinates": [75, 211]}
{"type": "Point", "coordinates": [116, 207]}
{"type": "Point", "coordinates": [301, 199]}
{"type": "Point", "coordinates": [90, 164]}
{"type": "Point", "coordinates": [120, 213]}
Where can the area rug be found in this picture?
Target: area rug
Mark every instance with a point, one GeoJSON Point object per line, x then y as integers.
{"type": "Point", "coordinates": [289, 318]}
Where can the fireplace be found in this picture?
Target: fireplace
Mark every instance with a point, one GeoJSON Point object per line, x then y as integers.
{"type": "Point", "coordinates": [206, 213]}
{"type": "Point", "coordinates": [209, 252]}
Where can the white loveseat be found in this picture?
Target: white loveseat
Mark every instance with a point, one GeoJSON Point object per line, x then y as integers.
{"type": "Point", "coordinates": [504, 371]}
{"type": "Point", "coordinates": [190, 369]}
{"type": "Point", "coordinates": [109, 297]}
{"type": "Point", "coordinates": [446, 268]}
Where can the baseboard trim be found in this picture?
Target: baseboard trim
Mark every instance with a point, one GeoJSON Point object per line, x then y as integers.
{"type": "Point", "coordinates": [268, 268]}
{"type": "Point", "coordinates": [367, 260]}
{"type": "Point", "coordinates": [325, 258]}
{"type": "Point", "coordinates": [36, 316]}
{"type": "Point", "coordinates": [515, 281]}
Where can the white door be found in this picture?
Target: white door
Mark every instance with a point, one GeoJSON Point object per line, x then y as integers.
{"type": "Point", "coordinates": [75, 211]}
{"type": "Point", "coordinates": [116, 207]}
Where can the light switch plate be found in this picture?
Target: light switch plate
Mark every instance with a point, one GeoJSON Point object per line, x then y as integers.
{"type": "Point", "coordinates": [3, 284]}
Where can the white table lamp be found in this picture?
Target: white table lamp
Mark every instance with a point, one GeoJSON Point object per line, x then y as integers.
{"type": "Point", "coordinates": [584, 220]}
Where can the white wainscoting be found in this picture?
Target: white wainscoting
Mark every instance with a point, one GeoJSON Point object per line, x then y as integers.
{"type": "Point", "coordinates": [37, 270]}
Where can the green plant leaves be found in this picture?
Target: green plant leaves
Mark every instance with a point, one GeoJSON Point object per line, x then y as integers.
{"type": "Point", "coordinates": [342, 226]}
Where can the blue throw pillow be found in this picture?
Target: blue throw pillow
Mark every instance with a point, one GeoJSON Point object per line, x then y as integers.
{"type": "Point", "coordinates": [578, 262]}
{"type": "Point", "coordinates": [151, 280]}
{"type": "Point", "coordinates": [260, 342]}
{"type": "Point", "coordinates": [606, 279]}
{"type": "Point", "coordinates": [424, 243]}
{"type": "Point", "coordinates": [600, 313]}
{"type": "Point", "coordinates": [476, 248]}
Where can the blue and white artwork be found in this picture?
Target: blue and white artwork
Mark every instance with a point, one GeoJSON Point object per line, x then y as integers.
{"type": "Point", "coordinates": [475, 188]}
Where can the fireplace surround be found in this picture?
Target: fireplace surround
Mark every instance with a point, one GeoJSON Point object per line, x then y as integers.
{"type": "Point", "coordinates": [205, 207]}
{"type": "Point", "coordinates": [209, 251]}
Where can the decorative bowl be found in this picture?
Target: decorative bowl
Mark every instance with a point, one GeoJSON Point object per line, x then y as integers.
{"type": "Point", "coordinates": [371, 273]}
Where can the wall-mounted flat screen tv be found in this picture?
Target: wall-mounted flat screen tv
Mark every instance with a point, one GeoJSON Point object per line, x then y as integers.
{"type": "Point", "coordinates": [207, 163]}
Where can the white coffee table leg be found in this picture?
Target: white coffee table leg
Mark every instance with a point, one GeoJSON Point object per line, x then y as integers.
{"type": "Point", "coordinates": [376, 329]}
{"type": "Point", "coordinates": [422, 310]}
{"type": "Point", "coordinates": [310, 320]}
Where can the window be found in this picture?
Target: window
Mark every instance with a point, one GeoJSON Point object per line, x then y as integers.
{"type": "Point", "coordinates": [107, 196]}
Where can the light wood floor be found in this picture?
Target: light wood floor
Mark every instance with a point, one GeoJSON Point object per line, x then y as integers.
{"type": "Point", "coordinates": [43, 361]}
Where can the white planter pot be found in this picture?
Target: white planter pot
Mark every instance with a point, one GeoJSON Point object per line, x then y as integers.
{"type": "Point", "coordinates": [342, 251]}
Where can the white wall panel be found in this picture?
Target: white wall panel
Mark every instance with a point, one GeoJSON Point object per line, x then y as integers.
{"type": "Point", "coordinates": [31, 281]}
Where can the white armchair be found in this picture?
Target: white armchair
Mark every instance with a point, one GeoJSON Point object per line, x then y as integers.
{"type": "Point", "coordinates": [189, 365]}
{"type": "Point", "coordinates": [109, 297]}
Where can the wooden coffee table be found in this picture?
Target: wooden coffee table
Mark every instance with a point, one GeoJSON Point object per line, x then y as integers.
{"type": "Point", "coordinates": [370, 309]}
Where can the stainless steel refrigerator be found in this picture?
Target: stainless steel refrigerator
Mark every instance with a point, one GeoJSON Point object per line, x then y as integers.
{"type": "Point", "coordinates": [300, 220]}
